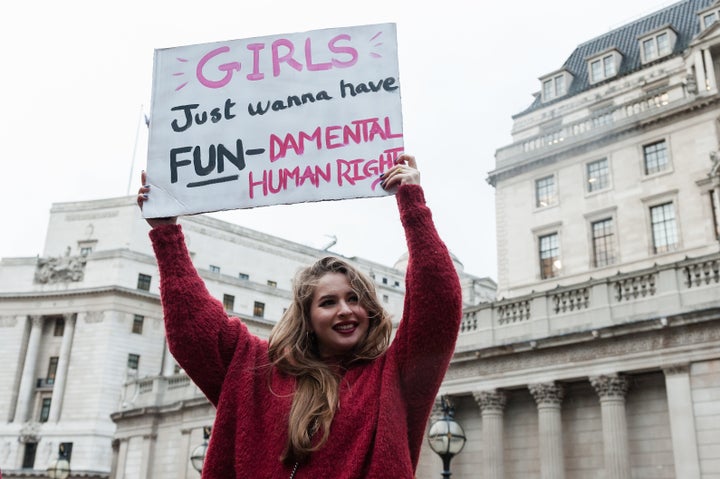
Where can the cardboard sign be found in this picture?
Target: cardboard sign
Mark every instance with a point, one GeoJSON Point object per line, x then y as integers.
{"type": "Point", "coordinates": [273, 120]}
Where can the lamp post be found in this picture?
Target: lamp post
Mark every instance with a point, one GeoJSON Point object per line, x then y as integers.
{"type": "Point", "coordinates": [446, 436]}
{"type": "Point", "coordinates": [197, 457]}
{"type": "Point", "coordinates": [60, 467]}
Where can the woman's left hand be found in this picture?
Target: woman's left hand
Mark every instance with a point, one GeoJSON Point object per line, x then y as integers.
{"type": "Point", "coordinates": [404, 172]}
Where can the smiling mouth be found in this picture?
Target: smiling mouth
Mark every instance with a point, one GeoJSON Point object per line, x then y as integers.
{"type": "Point", "coordinates": [345, 328]}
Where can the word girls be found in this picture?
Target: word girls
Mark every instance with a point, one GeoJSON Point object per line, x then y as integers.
{"type": "Point", "coordinates": [339, 54]}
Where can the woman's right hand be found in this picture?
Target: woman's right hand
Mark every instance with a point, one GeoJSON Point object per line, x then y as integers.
{"type": "Point", "coordinates": [143, 196]}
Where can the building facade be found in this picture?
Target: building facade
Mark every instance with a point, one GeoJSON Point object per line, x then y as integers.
{"type": "Point", "coordinates": [601, 357]}
{"type": "Point", "coordinates": [82, 338]}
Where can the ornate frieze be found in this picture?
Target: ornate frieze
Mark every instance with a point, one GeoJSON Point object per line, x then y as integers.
{"type": "Point", "coordinates": [584, 351]}
{"type": "Point", "coordinates": [61, 269]}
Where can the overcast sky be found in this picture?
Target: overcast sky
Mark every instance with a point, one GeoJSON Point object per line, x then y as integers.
{"type": "Point", "coordinates": [76, 80]}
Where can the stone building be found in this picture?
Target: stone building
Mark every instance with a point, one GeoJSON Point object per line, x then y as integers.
{"type": "Point", "coordinates": [601, 357]}
{"type": "Point", "coordinates": [86, 367]}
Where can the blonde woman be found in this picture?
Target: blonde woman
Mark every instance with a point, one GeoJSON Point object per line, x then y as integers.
{"type": "Point", "coordinates": [328, 396]}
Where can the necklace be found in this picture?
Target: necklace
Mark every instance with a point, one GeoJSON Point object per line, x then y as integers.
{"type": "Point", "coordinates": [313, 429]}
{"type": "Point", "coordinates": [295, 468]}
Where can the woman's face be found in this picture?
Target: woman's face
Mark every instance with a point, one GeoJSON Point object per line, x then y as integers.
{"type": "Point", "coordinates": [336, 316]}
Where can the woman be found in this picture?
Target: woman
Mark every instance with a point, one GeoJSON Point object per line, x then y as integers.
{"type": "Point", "coordinates": [325, 397]}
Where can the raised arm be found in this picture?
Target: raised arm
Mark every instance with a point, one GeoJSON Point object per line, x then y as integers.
{"type": "Point", "coordinates": [200, 335]}
{"type": "Point", "coordinates": [425, 340]}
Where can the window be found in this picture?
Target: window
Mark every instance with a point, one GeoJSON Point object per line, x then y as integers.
{"type": "Point", "coordinates": [143, 282]}
{"type": "Point", "coordinates": [259, 309]}
{"type": "Point", "coordinates": [603, 67]}
{"type": "Point", "coordinates": [59, 328]}
{"type": "Point", "coordinates": [715, 208]}
{"type": "Point", "coordinates": [657, 46]}
{"type": "Point", "coordinates": [554, 87]}
{"type": "Point", "coordinates": [29, 455]}
{"type": "Point", "coordinates": [549, 256]}
{"type": "Point", "coordinates": [45, 409]}
{"type": "Point", "coordinates": [137, 325]}
{"type": "Point", "coordinates": [243, 276]}
{"type": "Point", "coordinates": [396, 284]}
{"type": "Point", "coordinates": [545, 192]}
{"type": "Point", "coordinates": [228, 302]}
{"type": "Point", "coordinates": [272, 284]}
{"type": "Point", "coordinates": [664, 228]}
{"type": "Point", "coordinates": [603, 242]}
{"type": "Point", "coordinates": [655, 157]}
{"type": "Point", "coordinates": [65, 450]}
{"type": "Point", "coordinates": [709, 18]}
{"type": "Point", "coordinates": [598, 175]}
{"type": "Point", "coordinates": [384, 281]}
{"type": "Point", "coordinates": [85, 250]}
{"type": "Point", "coordinates": [133, 361]}
{"type": "Point", "coordinates": [52, 370]}
{"type": "Point", "coordinates": [386, 298]}
{"type": "Point", "coordinates": [214, 269]}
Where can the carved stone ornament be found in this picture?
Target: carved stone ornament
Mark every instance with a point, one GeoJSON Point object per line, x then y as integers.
{"type": "Point", "coordinates": [29, 432]}
{"type": "Point", "coordinates": [61, 269]}
{"type": "Point", "coordinates": [493, 400]}
{"type": "Point", "coordinates": [610, 386]}
{"type": "Point", "coordinates": [547, 393]}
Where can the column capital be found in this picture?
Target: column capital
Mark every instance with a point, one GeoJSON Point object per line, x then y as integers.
{"type": "Point", "coordinates": [490, 400]}
{"type": "Point", "coordinates": [69, 316]}
{"type": "Point", "coordinates": [610, 386]}
{"type": "Point", "coordinates": [547, 393]}
{"type": "Point", "coordinates": [36, 320]}
{"type": "Point", "coordinates": [679, 368]}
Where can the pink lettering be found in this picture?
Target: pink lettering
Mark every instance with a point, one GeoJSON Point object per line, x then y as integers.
{"type": "Point", "coordinates": [277, 59]}
{"type": "Point", "coordinates": [225, 67]}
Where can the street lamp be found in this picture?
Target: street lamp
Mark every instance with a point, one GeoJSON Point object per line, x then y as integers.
{"type": "Point", "coordinates": [446, 436]}
{"type": "Point", "coordinates": [60, 467]}
{"type": "Point", "coordinates": [197, 457]}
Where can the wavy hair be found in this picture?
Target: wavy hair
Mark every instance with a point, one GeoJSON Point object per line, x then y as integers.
{"type": "Point", "coordinates": [293, 350]}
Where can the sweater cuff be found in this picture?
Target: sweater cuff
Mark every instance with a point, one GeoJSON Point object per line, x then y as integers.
{"type": "Point", "coordinates": [410, 195]}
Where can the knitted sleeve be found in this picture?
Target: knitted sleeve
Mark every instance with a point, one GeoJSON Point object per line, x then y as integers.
{"type": "Point", "coordinates": [201, 336]}
{"type": "Point", "coordinates": [425, 340]}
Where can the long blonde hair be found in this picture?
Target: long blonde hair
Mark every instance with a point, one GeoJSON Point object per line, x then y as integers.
{"type": "Point", "coordinates": [293, 350]}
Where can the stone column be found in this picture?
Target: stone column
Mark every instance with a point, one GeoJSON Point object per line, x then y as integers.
{"type": "Point", "coordinates": [168, 366]}
{"type": "Point", "coordinates": [700, 72]}
{"type": "Point", "coordinates": [148, 454]}
{"type": "Point", "coordinates": [27, 383]}
{"type": "Point", "coordinates": [710, 71]}
{"type": "Point", "coordinates": [612, 390]}
{"type": "Point", "coordinates": [548, 397]}
{"type": "Point", "coordinates": [492, 406]}
{"type": "Point", "coordinates": [185, 470]}
{"type": "Point", "coordinates": [62, 369]}
{"type": "Point", "coordinates": [682, 421]}
{"type": "Point", "coordinates": [121, 458]}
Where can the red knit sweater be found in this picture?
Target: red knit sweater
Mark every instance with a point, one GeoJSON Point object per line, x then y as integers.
{"type": "Point", "coordinates": [384, 405]}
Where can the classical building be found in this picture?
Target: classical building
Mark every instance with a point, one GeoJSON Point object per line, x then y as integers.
{"type": "Point", "coordinates": [85, 365]}
{"type": "Point", "coordinates": [601, 357]}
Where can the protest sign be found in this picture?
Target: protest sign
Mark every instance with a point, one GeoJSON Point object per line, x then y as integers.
{"type": "Point", "coordinates": [273, 120]}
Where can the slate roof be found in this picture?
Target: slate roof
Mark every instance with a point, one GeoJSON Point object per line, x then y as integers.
{"type": "Point", "coordinates": [681, 16]}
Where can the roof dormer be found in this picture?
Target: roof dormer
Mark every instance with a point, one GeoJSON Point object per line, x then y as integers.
{"type": "Point", "coordinates": [604, 65]}
{"type": "Point", "coordinates": [656, 44]}
{"type": "Point", "coordinates": [709, 16]}
{"type": "Point", "coordinates": [555, 85]}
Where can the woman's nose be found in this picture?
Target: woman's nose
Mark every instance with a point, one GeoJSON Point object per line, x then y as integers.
{"type": "Point", "coordinates": [344, 309]}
